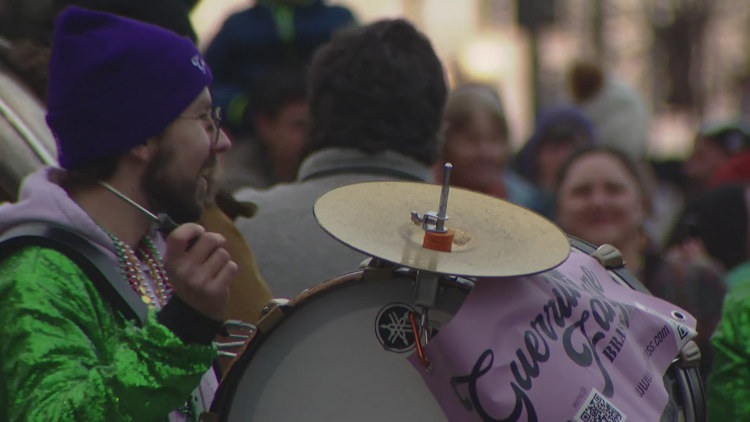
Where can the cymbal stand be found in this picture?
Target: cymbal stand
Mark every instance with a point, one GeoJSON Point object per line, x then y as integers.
{"type": "Point", "coordinates": [439, 238]}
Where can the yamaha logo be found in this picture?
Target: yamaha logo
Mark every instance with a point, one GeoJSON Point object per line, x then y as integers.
{"type": "Point", "coordinates": [393, 328]}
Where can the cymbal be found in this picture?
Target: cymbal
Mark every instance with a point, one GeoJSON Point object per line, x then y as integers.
{"type": "Point", "coordinates": [493, 238]}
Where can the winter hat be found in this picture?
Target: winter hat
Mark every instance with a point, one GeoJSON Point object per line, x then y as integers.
{"type": "Point", "coordinates": [731, 136]}
{"type": "Point", "coordinates": [617, 111]}
{"type": "Point", "coordinates": [114, 82]}
{"type": "Point", "coordinates": [554, 125]}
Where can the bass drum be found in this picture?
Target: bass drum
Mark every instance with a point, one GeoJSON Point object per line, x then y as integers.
{"type": "Point", "coordinates": [27, 143]}
{"type": "Point", "coordinates": [338, 352]}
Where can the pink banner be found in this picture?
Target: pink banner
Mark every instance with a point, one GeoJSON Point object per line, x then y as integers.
{"type": "Point", "coordinates": [567, 344]}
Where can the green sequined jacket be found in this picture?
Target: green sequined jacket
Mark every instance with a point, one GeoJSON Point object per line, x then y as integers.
{"type": "Point", "coordinates": [65, 355]}
{"type": "Point", "coordinates": [728, 384]}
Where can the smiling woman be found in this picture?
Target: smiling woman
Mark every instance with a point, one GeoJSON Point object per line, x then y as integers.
{"type": "Point", "coordinates": [476, 142]}
{"type": "Point", "coordinates": [603, 197]}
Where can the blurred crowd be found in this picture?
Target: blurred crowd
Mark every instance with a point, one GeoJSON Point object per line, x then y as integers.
{"type": "Point", "coordinates": [306, 115]}
{"type": "Point", "coordinates": [682, 225]}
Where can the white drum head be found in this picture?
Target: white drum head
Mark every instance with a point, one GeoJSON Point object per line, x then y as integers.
{"type": "Point", "coordinates": [325, 360]}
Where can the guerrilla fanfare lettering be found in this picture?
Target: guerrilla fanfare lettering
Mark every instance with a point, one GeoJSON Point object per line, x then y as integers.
{"type": "Point", "coordinates": [573, 325]}
{"type": "Point", "coordinates": [553, 323]}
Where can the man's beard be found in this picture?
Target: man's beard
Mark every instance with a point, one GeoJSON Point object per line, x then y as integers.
{"type": "Point", "coordinates": [177, 198]}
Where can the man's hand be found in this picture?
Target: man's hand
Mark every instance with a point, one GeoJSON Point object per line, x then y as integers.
{"type": "Point", "coordinates": [200, 269]}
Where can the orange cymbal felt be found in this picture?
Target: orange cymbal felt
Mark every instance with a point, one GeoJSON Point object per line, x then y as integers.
{"type": "Point", "coordinates": [492, 237]}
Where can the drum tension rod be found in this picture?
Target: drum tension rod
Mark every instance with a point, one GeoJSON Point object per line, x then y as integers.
{"type": "Point", "coordinates": [426, 292]}
{"type": "Point", "coordinates": [418, 342]}
{"type": "Point", "coordinates": [246, 331]}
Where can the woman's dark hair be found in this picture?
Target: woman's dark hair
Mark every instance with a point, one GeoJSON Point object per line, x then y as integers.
{"type": "Point", "coordinates": [375, 88]}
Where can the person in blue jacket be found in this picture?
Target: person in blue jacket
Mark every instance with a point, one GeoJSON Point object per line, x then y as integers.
{"type": "Point", "coordinates": [268, 34]}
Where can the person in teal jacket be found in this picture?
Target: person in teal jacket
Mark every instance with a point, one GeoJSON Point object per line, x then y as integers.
{"type": "Point", "coordinates": [129, 106]}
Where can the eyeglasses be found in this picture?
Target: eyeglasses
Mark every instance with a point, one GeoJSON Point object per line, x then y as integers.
{"type": "Point", "coordinates": [214, 118]}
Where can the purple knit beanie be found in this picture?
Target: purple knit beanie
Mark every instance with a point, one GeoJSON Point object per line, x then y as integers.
{"type": "Point", "coordinates": [114, 82]}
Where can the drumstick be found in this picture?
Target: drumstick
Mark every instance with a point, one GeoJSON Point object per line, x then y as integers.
{"type": "Point", "coordinates": [165, 224]}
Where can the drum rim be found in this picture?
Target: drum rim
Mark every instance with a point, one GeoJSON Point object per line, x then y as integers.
{"type": "Point", "coordinates": [221, 403]}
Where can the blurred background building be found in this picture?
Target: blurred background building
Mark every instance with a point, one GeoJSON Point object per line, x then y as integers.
{"type": "Point", "coordinates": [688, 59]}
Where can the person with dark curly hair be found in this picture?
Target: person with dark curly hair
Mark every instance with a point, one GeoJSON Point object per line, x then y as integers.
{"type": "Point", "coordinates": [376, 101]}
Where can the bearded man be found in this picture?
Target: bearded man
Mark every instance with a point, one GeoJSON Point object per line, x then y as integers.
{"type": "Point", "coordinates": [130, 109]}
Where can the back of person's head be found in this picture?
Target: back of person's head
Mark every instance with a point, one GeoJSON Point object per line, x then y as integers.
{"type": "Point", "coordinates": [719, 217]}
{"type": "Point", "coordinates": [586, 80]}
{"type": "Point", "coordinates": [731, 137]}
{"type": "Point", "coordinates": [115, 82]}
{"type": "Point", "coordinates": [33, 19]}
{"type": "Point", "coordinates": [617, 110]}
{"type": "Point", "coordinates": [564, 126]}
{"type": "Point", "coordinates": [714, 145]}
{"type": "Point", "coordinates": [28, 24]}
{"type": "Point", "coordinates": [170, 14]}
{"type": "Point", "coordinates": [465, 101]}
{"type": "Point", "coordinates": [277, 88]}
{"type": "Point", "coordinates": [375, 88]}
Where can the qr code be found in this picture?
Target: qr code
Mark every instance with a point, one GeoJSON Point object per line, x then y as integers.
{"type": "Point", "coordinates": [597, 408]}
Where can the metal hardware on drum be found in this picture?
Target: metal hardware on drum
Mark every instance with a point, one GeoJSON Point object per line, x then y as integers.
{"type": "Point", "coordinates": [690, 355]}
{"type": "Point", "coordinates": [439, 238]}
{"type": "Point", "coordinates": [426, 291]}
{"type": "Point", "coordinates": [326, 353]}
{"type": "Point", "coordinates": [609, 256]}
{"type": "Point", "coordinates": [678, 315]}
{"type": "Point", "coordinates": [273, 303]}
{"type": "Point", "coordinates": [433, 221]}
{"type": "Point", "coordinates": [166, 224]}
{"type": "Point", "coordinates": [239, 325]}
{"type": "Point", "coordinates": [418, 343]}
{"type": "Point", "coordinates": [443, 206]}
{"type": "Point", "coordinates": [436, 236]}
{"type": "Point", "coordinates": [246, 331]}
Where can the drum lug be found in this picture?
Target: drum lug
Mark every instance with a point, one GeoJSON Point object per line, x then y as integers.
{"type": "Point", "coordinates": [690, 355]}
{"type": "Point", "coordinates": [273, 303]}
{"type": "Point", "coordinates": [609, 256]}
{"type": "Point", "coordinates": [426, 289]}
{"type": "Point", "coordinates": [272, 314]}
{"type": "Point", "coordinates": [237, 334]}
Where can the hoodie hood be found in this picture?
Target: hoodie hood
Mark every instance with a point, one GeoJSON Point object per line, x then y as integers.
{"type": "Point", "coordinates": [43, 199]}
